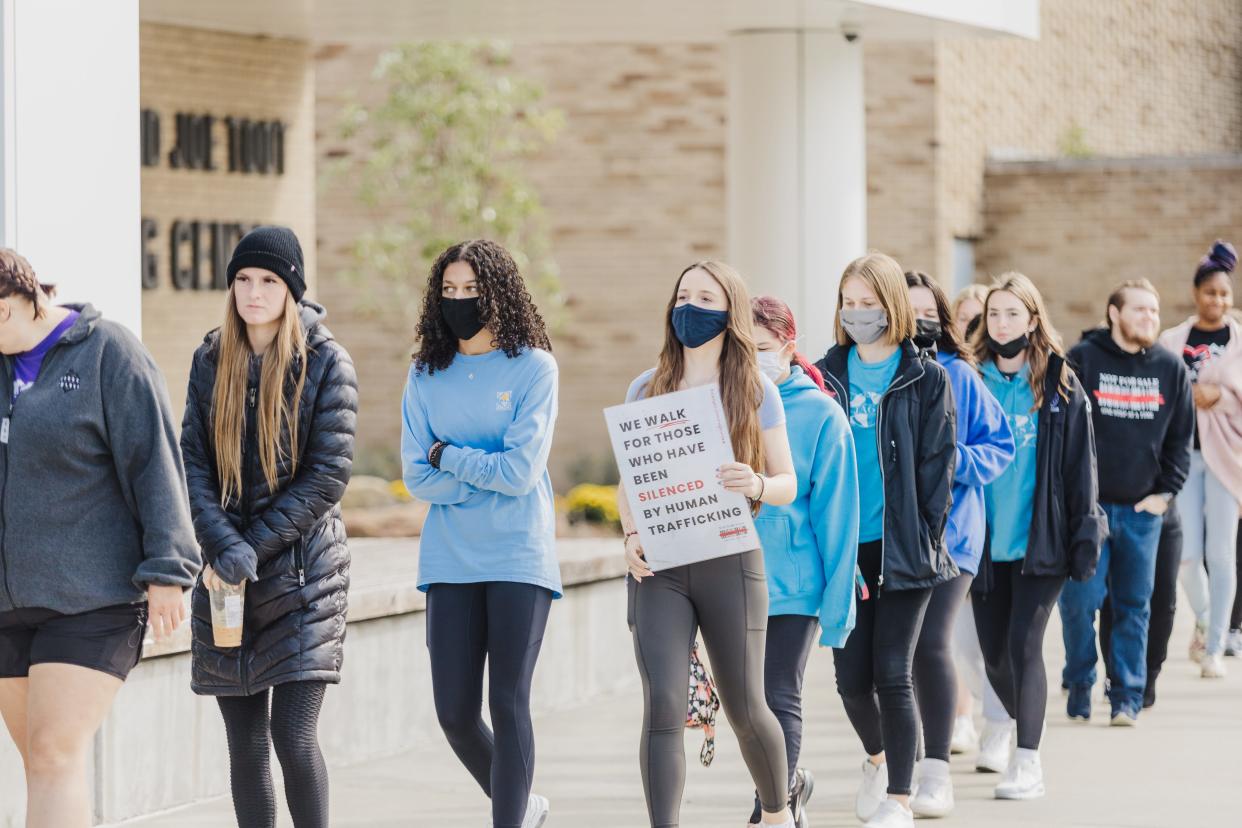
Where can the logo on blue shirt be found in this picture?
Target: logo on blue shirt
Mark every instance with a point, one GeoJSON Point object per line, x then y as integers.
{"type": "Point", "coordinates": [504, 400]}
{"type": "Point", "coordinates": [864, 408]}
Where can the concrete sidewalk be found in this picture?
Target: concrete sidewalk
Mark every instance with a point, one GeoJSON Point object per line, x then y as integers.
{"type": "Point", "coordinates": [1182, 766]}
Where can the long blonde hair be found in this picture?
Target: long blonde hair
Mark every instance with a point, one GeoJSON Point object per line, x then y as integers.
{"type": "Point", "coordinates": [1044, 340]}
{"type": "Point", "coordinates": [741, 388]}
{"type": "Point", "coordinates": [888, 281]}
{"type": "Point", "coordinates": [277, 412]}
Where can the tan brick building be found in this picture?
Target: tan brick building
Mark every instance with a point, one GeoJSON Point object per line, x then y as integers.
{"type": "Point", "coordinates": [635, 186]}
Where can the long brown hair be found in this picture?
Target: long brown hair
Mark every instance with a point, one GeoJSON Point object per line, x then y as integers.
{"type": "Point", "coordinates": [741, 387]}
{"type": "Point", "coordinates": [1044, 340]}
{"type": "Point", "coordinates": [277, 412]}
{"type": "Point", "coordinates": [886, 280]}
{"type": "Point", "coordinates": [950, 342]}
{"type": "Point", "coordinates": [17, 278]}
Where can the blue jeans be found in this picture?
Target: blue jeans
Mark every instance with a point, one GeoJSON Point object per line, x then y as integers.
{"type": "Point", "coordinates": [1127, 575]}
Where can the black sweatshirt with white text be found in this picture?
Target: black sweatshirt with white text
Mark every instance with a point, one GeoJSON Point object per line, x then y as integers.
{"type": "Point", "coordinates": [1144, 415]}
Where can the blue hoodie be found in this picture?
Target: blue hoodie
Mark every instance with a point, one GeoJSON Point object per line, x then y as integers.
{"type": "Point", "coordinates": [984, 450]}
{"type": "Point", "coordinates": [810, 547]}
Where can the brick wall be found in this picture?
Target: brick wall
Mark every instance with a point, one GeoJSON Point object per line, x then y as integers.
{"type": "Point", "coordinates": [1077, 228]}
{"type": "Point", "coordinates": [1140, 77]}
{"type": "Point", "coordinates": [192, 70]}
{"type": "Point", "coordinates": [633, 190]}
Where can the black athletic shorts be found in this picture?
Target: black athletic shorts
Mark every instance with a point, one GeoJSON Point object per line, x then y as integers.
{"type": "Point", "coordinates": [108, 640]}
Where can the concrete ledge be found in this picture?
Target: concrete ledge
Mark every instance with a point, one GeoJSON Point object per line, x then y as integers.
{"type": "Point", "coordinates": [1021, 166]}
{"type": "Point", "coordinates": [384, 579]}
{"type": "Point", "coordinates": [163, 747]}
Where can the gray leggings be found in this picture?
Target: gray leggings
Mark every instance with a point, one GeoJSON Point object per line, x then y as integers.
{"type": "Point", "coordinates": [728, 599]}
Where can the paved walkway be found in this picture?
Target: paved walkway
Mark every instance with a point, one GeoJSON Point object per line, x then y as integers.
{"type": "Point", "coordinates": [1181, 767]}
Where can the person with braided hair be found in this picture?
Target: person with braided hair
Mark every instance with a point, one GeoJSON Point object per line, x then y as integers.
{"type": "Point", "coordinates": [1210, 344]}
{"type": "Point", "coordinates": [477, 420]}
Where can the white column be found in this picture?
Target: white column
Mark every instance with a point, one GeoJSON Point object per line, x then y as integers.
{"type": "Point", "coordinates": [797, 173]}
{"type": "Point", "coordinates": [69, 134]}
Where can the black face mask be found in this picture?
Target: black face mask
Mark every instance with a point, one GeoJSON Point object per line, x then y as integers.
{"type": "Point", "coordinates": [462, 317]}
{"type": "Point", "coordinates": [973, 326]}
{"type": "Point", "coordinates": [1010, 349]}
{"type": "Point", "coordinates": [928, 333]}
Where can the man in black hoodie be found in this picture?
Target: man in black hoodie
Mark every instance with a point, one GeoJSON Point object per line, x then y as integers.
{"type": "Point", "coordinates": [1143, 413]}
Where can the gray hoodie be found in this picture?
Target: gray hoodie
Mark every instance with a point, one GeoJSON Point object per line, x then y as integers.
{"type": "Point", "coordinates": [93, 503]}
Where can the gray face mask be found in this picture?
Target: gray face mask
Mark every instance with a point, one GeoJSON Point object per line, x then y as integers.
{"type": "Point", "coordinates": [864, 326]}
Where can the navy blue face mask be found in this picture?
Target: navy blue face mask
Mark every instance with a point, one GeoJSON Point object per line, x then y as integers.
{"type": "Point", "coordinates": [696, 326]}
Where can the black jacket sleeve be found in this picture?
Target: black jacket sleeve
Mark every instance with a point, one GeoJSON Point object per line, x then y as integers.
{"type": "Point", "coordinates": [1088, 525]}
{"type": "Point", "coordinates": [937, 450]}
{"type": "Point", "coordinates": [222, 544]}
{"type": "Point", "coordinates": [324, 467]}
{"type": "Point", "coordinates": [1175, 453]}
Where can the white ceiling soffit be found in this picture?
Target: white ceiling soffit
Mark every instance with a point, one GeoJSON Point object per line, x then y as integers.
{"type": "Point", "coordinates": [593, 20]}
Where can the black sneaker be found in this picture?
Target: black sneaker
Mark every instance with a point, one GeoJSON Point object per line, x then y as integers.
{"type": "Point", "coordinates": [1078, 707]}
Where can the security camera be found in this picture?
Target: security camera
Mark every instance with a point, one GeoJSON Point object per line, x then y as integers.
{"type": "Point", "coordinates": [850, 35]}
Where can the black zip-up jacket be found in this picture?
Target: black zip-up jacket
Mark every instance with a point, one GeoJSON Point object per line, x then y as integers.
{"type": "Point", "coordinates": [290, 544]}
{"type": "Point", "coordinates": [918, 450]}
{"type": "Point", "coordinates": [1143, 413]}
{"type": "Point", "coordinates": [1067, 524]}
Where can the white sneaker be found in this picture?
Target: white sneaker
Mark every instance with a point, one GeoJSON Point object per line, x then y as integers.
{"type": "Point", "coordinates": [934, 795]}
{"type": "Point", "coordinates": [1024, 779]}
{"type": "Point", "coordinates": [873, 792]}
{"type": "Point", "coordinates": [536, 812]}
{"type": "Point", "coordinates": [1233, 643]}
{"type": "Point", "coordinates": [994, 746]}
{"type": "Point", "coordinates": [964, 736]}
{"type": "Point", "coordinates": [1198, 642]}
{"type": "Point", "coordinates": [1212, 666]}
{"type": "Point", "coordinates": [892, 814]}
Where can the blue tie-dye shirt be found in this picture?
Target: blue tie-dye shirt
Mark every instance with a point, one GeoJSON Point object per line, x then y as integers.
{"type": "Point", "coordinates": [868, 382]}
{"type": "Point", "coordinates": [1010, 497]}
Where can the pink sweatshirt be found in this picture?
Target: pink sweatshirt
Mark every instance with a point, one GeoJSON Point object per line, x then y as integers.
{"type": "Point", "coordinates": [1220, 427]}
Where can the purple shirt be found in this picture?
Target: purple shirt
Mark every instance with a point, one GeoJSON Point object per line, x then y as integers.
{"type": "Point", "coordinates": [26, 365]}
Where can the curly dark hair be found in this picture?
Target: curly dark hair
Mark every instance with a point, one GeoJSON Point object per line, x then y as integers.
{"type": "Point", "coordinates": [505, 306]}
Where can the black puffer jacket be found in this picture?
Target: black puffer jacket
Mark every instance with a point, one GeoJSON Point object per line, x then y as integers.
{"type": "Point", "coordinates": [291, 544]}
{"type": "Point", "coordinates": [917, 448]}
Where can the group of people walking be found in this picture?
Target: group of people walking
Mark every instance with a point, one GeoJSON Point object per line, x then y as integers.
{"type": "Point", "coordinates": [924, 495]}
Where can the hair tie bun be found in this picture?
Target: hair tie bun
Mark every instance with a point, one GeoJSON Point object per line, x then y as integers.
{"type": "Point", "coordinates": [1224, 255]}
{"type": "Point", "coordinates": [1222, 258]}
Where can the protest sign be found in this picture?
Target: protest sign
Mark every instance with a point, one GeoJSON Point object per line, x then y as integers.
{"type": "Point", "coordinates": [668, 450]}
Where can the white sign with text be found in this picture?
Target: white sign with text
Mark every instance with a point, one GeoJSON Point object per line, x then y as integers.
{"type": "Point", "coordinates": [668, 450]}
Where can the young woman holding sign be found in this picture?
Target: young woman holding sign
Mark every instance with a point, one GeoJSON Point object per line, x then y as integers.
{"type": "Point", "coordinates": [902, 415]}
{"type": "Point", "coordinates": [810, 547]}
{"type": "Point", "coordinates": [478, 415]}
{"type": "Point", "coordinates": [709, 338]}
{"type": "Point", "coordinates": [268, 438]}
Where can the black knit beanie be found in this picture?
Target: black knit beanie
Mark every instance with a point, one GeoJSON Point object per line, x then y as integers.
{"type": "Point", "coordinates": [271, 248]}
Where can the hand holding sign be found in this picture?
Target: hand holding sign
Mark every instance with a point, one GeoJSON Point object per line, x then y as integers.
{"type": "Point", "coordinates": [685, 490]}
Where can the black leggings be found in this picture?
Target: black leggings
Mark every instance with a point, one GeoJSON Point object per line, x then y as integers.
{"type": "Point", "coordinates": [877, 661]}
{"type": "Point", "coordinates": [935, 677]}
{"type": "Point", "coordinates": [499, 624]}
{"type": "Point", "coordinates": [727, 599]}
{"type": "Point", "coordinates": [790, 639]}
{"type": "Point", "coordinates": [1163, 603]}
{"type": "Point", "coordinates": [1235, 620]}
{"type": "Point", "coordinates": [1011, 621]}
{"type": "Point", "coordinates": [292, 729]}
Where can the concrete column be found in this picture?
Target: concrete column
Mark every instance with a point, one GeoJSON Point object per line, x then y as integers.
{"type": "Point", "coordinates": [797, 173]}
{"type": "Point", "coordinates": [70, 186]}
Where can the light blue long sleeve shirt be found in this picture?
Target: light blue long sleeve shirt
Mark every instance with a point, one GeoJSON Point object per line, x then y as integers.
{"type": "Point", "coordinates": [492, 514]}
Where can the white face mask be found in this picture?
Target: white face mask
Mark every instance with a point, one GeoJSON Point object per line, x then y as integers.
{"type": "Point", "coordinates": [770, 364]}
